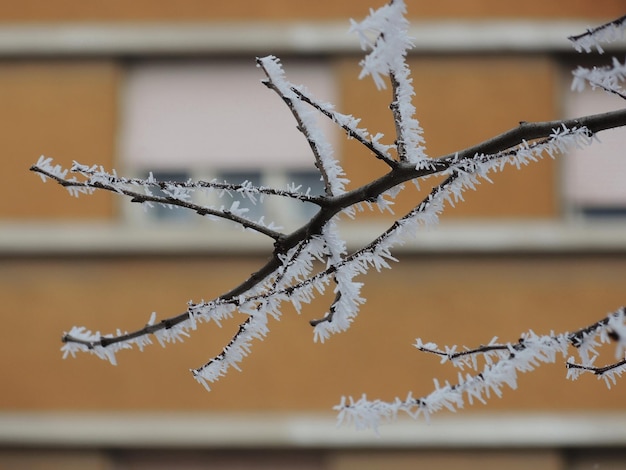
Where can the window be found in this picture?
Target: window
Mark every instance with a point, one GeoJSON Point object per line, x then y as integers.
{"type": "Point", "coordinates": [593, 183]}
{"type": "Point", "coordinates": [214, 119]}
{"type": "Point", "coordinates": [166, 213]}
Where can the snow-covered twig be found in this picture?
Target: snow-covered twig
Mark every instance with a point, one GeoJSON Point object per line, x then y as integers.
{"type": "Point", "coordinates": [594, 37]}
{"type": "Point", "coordinates": [350, 125]}
{"type": "Point", "coordinates": [608, 78]}
{"type": "Point", "coordinates": [175, 194]}
{"type": "Point", "coordinates": [329, 168]}
{"type": "Point", "coordinates": [502, 363]}
{"type": "Point", "coordinates": [387, 57]}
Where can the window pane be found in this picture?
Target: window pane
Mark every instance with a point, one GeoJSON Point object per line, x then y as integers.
{"type": "Point", "coordinates": [307, 179]}
{"type": "Point", "coordinates": [593, 181]}
{"type": "Point", "coordinates": [161, 212]}
{"type": "Point", "coordinates": [255, 211]}
{"type": "Point", "coordinates": [216, 113]}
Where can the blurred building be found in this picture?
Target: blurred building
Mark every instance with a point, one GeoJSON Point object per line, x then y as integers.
{"type": "Point", "coordinates": [172, 88]}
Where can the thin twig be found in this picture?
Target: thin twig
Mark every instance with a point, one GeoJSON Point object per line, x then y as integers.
{"type": "Point", "coordinates": [301, 127]}
{"type": "Point", "coordinates": [397, 118]}
{"type": "Point", "coordinates": [596, 370]}
{"type": "Point", "coordinates": [165, 200]}
{"type": "Point", "coordinates": [592, 31]}
{"type": "Point", "coordinates": [215, 185]}
{"type": "Point", "coordinates": [350, 132]}
{"type": "Point", "coordinates": [607, 89]}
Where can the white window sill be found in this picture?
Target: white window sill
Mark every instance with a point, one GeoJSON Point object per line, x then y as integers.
{"type": "Point", "coordinates": [301, 37]}
{"type": "Point", "coordinates": [283, 430]}
{"type": "Point", "coordinates": [449, 237]}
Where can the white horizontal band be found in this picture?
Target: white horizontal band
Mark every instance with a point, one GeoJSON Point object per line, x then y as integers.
{"type": "Point", "coordinates": [172, 430]}
{"type": "Point", "coordinates": [262, 38]}
{"type": "Point", "coordinates": [448, 237]}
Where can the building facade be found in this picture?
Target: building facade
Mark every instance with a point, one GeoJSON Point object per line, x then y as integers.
{"type": "Point", "coordinates": [172, 88]}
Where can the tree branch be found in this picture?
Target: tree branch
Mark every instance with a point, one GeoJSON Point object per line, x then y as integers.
{"type": "Point", "coordinates": [525, 355]}
{"type": "Point", "coordinates": [398, 119]}
{"type": "Point", "coordinates": [293, 272]}
{"type": "Point", "coordinates": [303, 126]}
{"type": "Point", "coordinates": [164, 200]}
{"type": "Point", "coordinates": [379, 151]}
{"type": "Point", "coordinates": [597, 370]}
{"type": "Point", "coordinates": [593, 31]}
{"type": "Point", "coordinates": [527, 131]}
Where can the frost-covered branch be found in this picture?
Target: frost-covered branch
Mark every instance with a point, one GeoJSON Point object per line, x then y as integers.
{"type": "Point", "coordinates": [609, 373]}
{"type": "Point", "coordinates": [494, 365]}
{"type": "Point", "coordinates": [313, 259]}
{"type": "Point", "coordinates": [332, 174]}
{"type": "Point", "coordinates": [246, 189]}
{"type": "Point", "coordinates": [594, 37]}
{"type": "Point", "coordinates": [608, 78]}
{"type": "Point", "coordinates": [175, 194]}
{"type": "Point", "coordinates": [350, 125]}
{"type": "Point", "coordinates": [387, 57]}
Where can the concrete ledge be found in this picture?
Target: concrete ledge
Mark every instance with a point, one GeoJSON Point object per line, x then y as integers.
{"type": "Point", "coordinates": [111, 39]}
{"type": "Point", "coordinates": [201, 430]}
{"type": "Point", "coordinates": [449, 237]}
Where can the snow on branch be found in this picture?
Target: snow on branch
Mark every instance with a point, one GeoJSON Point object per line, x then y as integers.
{"type": "Point", "coordinates": [350, 125]}
{"type": "Point", "coordinates": [331, 171]}
{"type": "Point", "coordinates": [595, 37]}
{"type": "Point", "coordinates": [609, 373]}
{"type": "Point", "coordinates": [175, 194]}
{"type": "Point", "coordinates": [501, 364]}
{"type": "Point", "coordinates": [313, 259]}
{"type": "Point", "coordinates": [385, 33]}
{"type": "Point", "coordinates": [609, 78]}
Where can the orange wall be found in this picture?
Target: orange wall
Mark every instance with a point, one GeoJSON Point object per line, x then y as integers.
{"type": "Point", "coordinates": [448, 300]}
{"type": "Point", "coordinates": [69, 110]}
{"type": "Point", "coordinates": [461, 101]}
{"type": "Point", "coordinates": [63, 109]}
{"type": "Point", "coordinates": [200, 10]}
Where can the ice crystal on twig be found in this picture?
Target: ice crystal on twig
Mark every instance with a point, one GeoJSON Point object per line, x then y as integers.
{"type": "Point", "coordinates": [595, 37]}
{"type": "Point", "coordinates": [502, 362]}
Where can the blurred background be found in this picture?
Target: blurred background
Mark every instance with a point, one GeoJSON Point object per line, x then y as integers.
{"type": "Point", "coordinates": [172, 88]}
